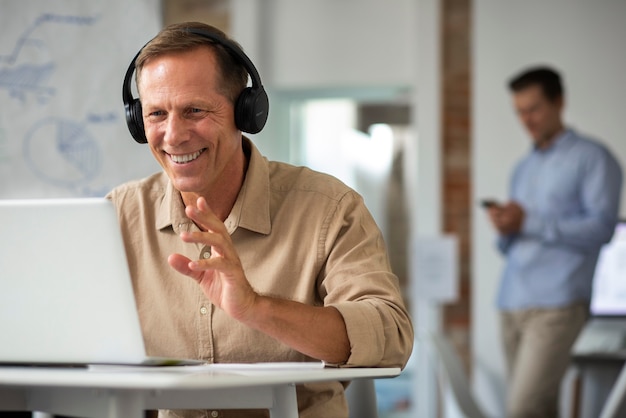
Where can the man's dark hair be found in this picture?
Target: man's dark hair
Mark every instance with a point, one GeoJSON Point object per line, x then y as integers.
{"type": "Point", "coordinates": [548, 79]}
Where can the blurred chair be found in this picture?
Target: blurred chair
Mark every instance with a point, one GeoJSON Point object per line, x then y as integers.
{"type": "Point", "coordinates": [452, 375]}
{"type": "Point", "coordinates": [361, 397]}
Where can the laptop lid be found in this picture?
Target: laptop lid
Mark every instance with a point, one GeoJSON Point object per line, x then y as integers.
{"type": "Point", "coordinates": [65, 291]}
{"type": "Point", "coordinates": [608, 297]}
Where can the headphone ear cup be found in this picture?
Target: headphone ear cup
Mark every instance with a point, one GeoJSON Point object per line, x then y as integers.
{"type": "Point", "coordinates": [251, 110]}
{"type": "Point", "coordinates": [134, 120]}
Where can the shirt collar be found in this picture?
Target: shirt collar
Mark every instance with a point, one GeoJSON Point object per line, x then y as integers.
{"type": "Point", "coordinates": [251, 209]}
{"type": "Point", "coordinates": [558, 142]}
{"type": "Point", "coordinates": [171, 211]}
{"type": "Point", "coordinates": [255, 193]}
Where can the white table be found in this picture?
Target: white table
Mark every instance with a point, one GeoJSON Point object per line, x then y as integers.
{"type": "Point", "coordinates": [125, 392]}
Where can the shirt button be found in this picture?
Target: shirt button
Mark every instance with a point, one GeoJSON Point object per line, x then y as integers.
{"type": "Point", "coordinates": [204, 310]}
{"type": "Point", "coordinates": [215, 414]}
{"type": "Point", "coordinates": [206, 254]}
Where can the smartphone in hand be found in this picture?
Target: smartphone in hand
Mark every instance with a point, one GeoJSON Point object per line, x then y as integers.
{"type": "Point", "coordinates": [488, 203]}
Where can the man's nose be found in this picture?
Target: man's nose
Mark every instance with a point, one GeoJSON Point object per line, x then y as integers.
{"type": "Point", "coordinates": [176, 130]}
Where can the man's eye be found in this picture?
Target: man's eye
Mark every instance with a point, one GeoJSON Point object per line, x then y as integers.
{"type": "Point", "coordinates": [194, 112]}
{"type": "Point", "coordinates": [156, 113]}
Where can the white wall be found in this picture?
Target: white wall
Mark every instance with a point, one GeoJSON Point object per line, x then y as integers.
{"type": "Point", "coordinates": [326, 43]}
{"type": "Point", "coordinates": [585, 40]}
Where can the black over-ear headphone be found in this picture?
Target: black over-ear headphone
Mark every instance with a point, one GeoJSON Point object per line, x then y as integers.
{"type": "Point", "coordinates": [251, 107]}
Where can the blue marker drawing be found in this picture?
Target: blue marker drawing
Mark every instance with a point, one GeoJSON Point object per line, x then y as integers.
{"type": "Point", "coordinates": [59, 151]}
{"type": "Point", "coordinates": [19, 79]}
{"type": "Point", "coordinates": [62, 153]}
{"type": "Point", "coordinates": [27, 77]}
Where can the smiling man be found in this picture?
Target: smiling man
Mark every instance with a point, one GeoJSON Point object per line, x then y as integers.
{"type": "Point", "coordinates": [235, 258]}
{"type": "Point", "coordinates": [564, 200]}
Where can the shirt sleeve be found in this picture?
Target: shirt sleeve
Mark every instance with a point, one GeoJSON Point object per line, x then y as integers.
{"type": "Point", "coordinates": [504, 242]}
{"type": "Point", "coordinates": [357, 280]}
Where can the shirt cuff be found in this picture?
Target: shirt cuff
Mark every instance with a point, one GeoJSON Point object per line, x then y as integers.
{"type": "Point", "coordinates": [365, 332]}
{"type": "Point", "coordinates": [540, 227]}
{"type": "Point", "coordinates": [533, 225]}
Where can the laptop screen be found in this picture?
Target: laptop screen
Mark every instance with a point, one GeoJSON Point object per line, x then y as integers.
{"type": "Point", "coordinates": [609, 281]}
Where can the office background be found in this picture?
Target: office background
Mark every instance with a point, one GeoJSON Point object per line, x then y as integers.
{"type": "Point", "coordinates": [437, 70]}
{"type": "Point", "coordinates": [584, 41]}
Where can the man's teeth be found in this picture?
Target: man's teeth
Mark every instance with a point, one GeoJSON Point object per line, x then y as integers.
{"type": "Point", "coordinates": [185, 158]}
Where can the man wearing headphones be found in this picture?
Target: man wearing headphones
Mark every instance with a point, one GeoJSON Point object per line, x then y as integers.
{"type": "Point", "coordinates": [283, 263]}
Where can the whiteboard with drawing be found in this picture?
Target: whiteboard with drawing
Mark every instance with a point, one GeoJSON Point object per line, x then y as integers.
{"type": "Point", "coordinates": [62, 125]}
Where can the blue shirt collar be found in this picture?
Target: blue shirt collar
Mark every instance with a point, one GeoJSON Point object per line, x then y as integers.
{"type": "Point", "coordinates": [558, 142]}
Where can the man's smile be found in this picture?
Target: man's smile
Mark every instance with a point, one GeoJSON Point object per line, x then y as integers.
{"type": "Point", "coordinates": [185, 158]}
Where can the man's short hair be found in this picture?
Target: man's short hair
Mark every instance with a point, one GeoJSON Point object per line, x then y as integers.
{"type": "Point", "coordinates": [232, 75]}
{"type": "Point", "coordinates": [545, 77]}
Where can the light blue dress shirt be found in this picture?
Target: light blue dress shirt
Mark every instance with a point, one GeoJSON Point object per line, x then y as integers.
{"type": "Point", "coordinates": [570, 193]}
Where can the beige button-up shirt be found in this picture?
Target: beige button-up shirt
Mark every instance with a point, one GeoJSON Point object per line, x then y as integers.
{"type": "Point", "coordinates": [300, 235]}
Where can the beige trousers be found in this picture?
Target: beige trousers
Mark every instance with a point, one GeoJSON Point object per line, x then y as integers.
{"type": "Point", "coordinates": [537, 344]}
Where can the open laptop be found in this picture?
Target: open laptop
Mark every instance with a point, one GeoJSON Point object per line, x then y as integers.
{"type": "Point", "coordinates": [605, 331]}
{"type": "Point", "coordinates": [65, 290]}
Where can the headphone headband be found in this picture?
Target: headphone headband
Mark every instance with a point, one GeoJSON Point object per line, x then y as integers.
{"type": "Point", "coordinates": [234, 49]}
{"type": "Point", "coordinates": [251, 107]}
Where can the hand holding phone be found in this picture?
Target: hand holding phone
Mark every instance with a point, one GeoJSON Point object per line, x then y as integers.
{"type": "Point", "coordinates": [488, 203]}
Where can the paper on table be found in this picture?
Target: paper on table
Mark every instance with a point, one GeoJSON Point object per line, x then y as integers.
{"type": "Point", "coordinates": [269, 366]}
{"type": "Point", "coordinates": [236, 367]}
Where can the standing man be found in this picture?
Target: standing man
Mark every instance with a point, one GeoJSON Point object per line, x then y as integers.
{"type": "Point", "coordinates": [237, 259]}
{"type": "Point", "coordinates": [564, 200]}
